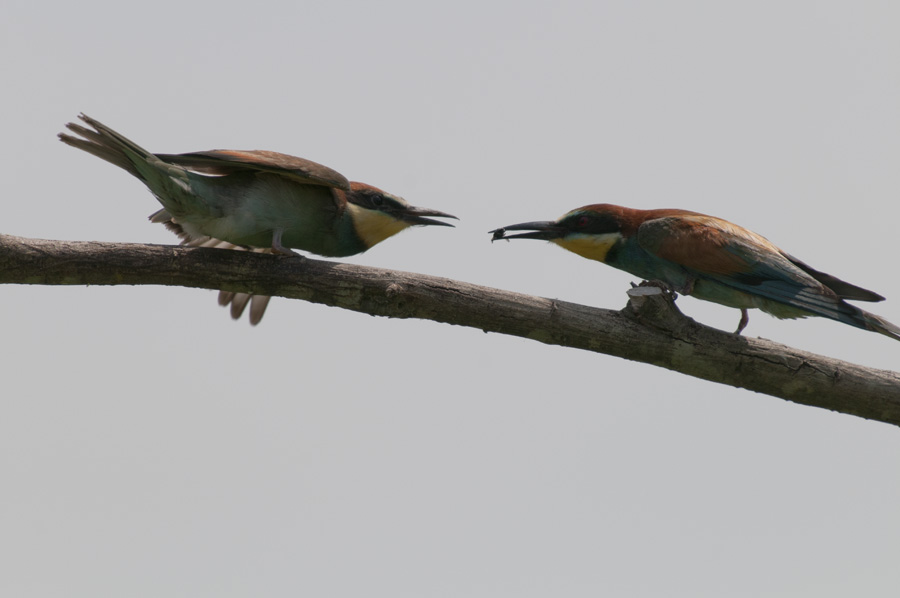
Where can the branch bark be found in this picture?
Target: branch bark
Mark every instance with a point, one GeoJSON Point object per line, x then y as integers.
{"type": "Point", "coordinates": [650, 329]}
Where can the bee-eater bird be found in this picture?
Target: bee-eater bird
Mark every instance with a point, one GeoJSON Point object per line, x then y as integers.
{"type": "Point", "coordinates": [256, 200]}
{"type": "Point", "coordinates": [707, 258]}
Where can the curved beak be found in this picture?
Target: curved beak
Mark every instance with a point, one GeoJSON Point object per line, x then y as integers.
{"type": "Point", "coordinates": [545, 231]}
{"type": "Point", "coordinates": [417, 216]}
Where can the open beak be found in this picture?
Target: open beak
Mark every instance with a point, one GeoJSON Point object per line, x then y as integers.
{"type": "Point", "coordinates": [544, 231]}
{"type": "Point", "coordinates": [417, 216]}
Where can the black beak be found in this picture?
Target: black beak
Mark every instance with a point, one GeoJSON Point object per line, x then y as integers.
{"type": "Point", "coordinates": [544, 231]}
{"type": "Point", "coordinates": [417, 216]}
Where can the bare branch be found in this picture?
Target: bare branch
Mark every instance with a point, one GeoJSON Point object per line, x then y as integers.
{"type": "Point", "coordinates": [650, 329]}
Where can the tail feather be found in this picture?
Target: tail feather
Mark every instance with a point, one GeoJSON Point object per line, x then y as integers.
{"type": "Point", "coordinates": [106, 144]}
{"type": "Point", "coordinates": [841, 288]}
{"type": "Point", "coordinates": [870, 321]}
{"type": "Point", "coordinates": [847, 313]}
{"type": "Point", "coordinates": [782, 301]}
{"type": "Point", "coordinates": [170, 184]}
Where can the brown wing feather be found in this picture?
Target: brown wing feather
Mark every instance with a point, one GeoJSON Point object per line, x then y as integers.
{"type": "Point", "coordinates": [223, 162]}
{"type": "Point", "coordinates": [703, 243]}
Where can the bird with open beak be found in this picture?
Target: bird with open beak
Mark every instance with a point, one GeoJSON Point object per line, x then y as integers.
{"type": "Point", "coordinates": [256, 200]}
{"type": "Point", "coordinates": [707, 258]}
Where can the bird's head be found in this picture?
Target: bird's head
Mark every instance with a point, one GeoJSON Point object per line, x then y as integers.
{"type": "Point", "coordinates": [589, 231]}
{"type": "Point", "coordinates": [377, 215]}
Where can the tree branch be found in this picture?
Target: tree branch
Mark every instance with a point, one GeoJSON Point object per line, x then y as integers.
{"type": "Point", "coordinates": [650, 329]}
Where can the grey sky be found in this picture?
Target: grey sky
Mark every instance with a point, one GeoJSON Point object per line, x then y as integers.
{"type": "Point", "coordinates": [153, 447]}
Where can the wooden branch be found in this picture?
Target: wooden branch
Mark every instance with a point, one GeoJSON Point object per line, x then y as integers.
{"type": "Point", "coordinates": [650, 329]}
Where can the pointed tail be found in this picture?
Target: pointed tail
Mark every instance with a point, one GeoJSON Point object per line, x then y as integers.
{"type": "Point", "coordinates": [170, 183]}
{"type": "Point", "coordinates": [870, 321]}
{"type": "Point", "coordinates": [106, 144]}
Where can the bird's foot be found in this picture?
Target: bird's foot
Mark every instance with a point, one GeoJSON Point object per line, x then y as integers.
{"type": "Point", "coordinates": [278, 248]}
{"type": "Point", "coordinates": [285, 251]}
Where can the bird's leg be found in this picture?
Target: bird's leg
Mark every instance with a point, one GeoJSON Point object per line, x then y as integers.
{"type": "Point", "coordinates": [277, 247]}
{"type": "Point", "coordinates": [745, 319]}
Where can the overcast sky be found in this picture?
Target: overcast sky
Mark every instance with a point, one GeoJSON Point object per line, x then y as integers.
{"type": "Point", "coordinates": [151, 446]}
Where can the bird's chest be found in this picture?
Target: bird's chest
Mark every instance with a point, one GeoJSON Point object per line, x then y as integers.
{"type": "Point", "coordinates": [247, 212]}
{"type": "Point", "coordinates": [629, 256]}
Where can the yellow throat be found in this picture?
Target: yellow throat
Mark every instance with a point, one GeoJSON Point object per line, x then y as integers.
{"type": "Point", "coordinates": [373, 226]}
{"type": "Point", "coordinates": [593, 247]}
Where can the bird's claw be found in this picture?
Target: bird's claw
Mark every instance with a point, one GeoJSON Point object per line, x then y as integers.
{"type": "Point", "coordinates": [278, 248]}
{"type": "Point", "coordinates": [285, 252]}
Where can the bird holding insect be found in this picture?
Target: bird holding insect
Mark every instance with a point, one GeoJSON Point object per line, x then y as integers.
{"type": "Point", "coordinates": [707, 258]}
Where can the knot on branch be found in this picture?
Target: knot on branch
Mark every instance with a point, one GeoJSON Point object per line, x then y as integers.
{"type": "Point", "coordinates": [653, 304]}
{"type": "Point", "coordinates": [392, 300]}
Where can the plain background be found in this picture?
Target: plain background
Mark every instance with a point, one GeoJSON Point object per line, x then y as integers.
{"type": "Point", "coordinates": [150, 446]}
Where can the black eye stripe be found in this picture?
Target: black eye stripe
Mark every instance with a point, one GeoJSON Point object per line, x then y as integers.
{"type": "Point", "coordinates": [590, 223]}
{"type": "Point", "coordinates": [386, 203]}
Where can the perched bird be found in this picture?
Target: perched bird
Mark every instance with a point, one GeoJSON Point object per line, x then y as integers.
{"type": "Point", "coordinates": [255, 200]}
{"type": "Point", "coordinates": [708, 258]}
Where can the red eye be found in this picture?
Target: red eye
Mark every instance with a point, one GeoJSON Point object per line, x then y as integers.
{"type": "Point", "coordinates": [582, 222]}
